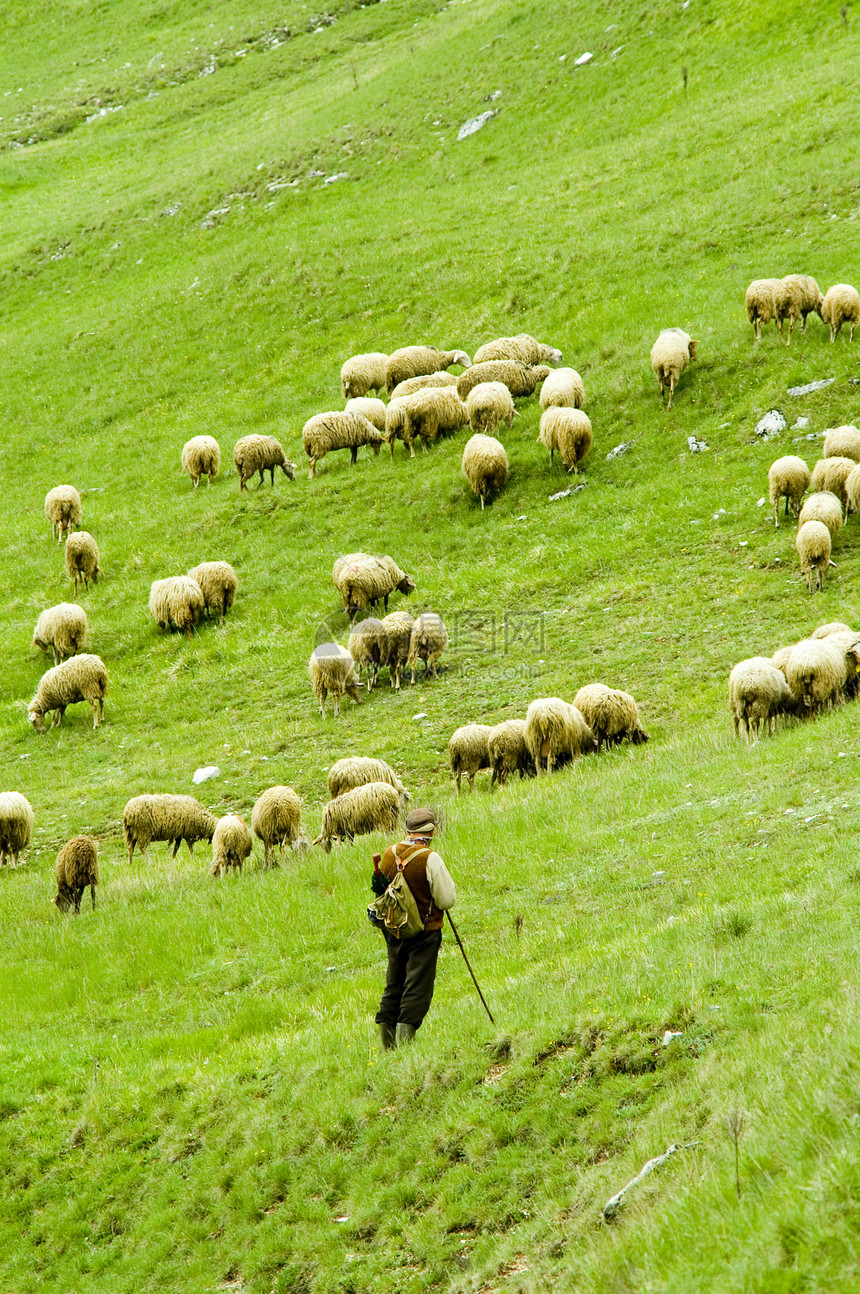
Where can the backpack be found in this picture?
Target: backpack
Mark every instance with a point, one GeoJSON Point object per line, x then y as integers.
{"type": "Point", "coordinates": [396, 910]}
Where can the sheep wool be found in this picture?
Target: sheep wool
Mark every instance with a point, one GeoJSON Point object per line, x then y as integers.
{"type": "Point", "coordinates": [508, 751]}
{"type": "Point", "coordinates": [758, 693]}
{"type": "Point", "coordinates": [63, 510]}
{"type": "Point", "coordinates": [556, 731]}
{"type": "Point", "coordinates": [371, 409]}
{"type": "Point", "coordinates": [395, 635]}
{"type": "Point", "coordinates": [568, 431]}
{"type": "Point", "coordinates": [842, 442]}
{"type": "Point", "coordinates": [218, 585]}
{"type": "Point", "coordinates": [489, 404]}
{"type": "Point", "coordinates": [813, 547]}
{"type": "Point", "coordinates": [413, 384]}
{"type": "Point", "coordinates": [363, 580]}
{"type": "Point", "coordinates": [832, 474]}
{"type": "Point", "coordinates": [395, 424]}
{"type": "Point", "coordinates": [61, 630]}
{"type": "Point", "coordinates": [332, 670]}
{"type": "Point", "coordinates": [469, 752]}
{"type": "Point", "coordinates": [357, 770]}
{"type": "Point", "coordinates": [787, 478]}
{"type": "Point", "coordinates": [611, 714]}
{"type": "Point", "coordinates": [522, 347]}
{"type": "Point", "coordinates": [81, 678]}
{"type": "Point", "coordinates": [833, 627]}
{"type": "Point", "coordinates": [173, 818]}
{"type": "Point", "coordinates": [824, 506]}
{"type": "Point", "coordinates": [670, 355]}
{"type": "Point", "coordinates": [77, 867]}
{"type": "Point", "coordinates": [818, 670]}
{"type": "Point", "coordinates": [257, 453]}
{"type": "Point", "coordinates": [363, 373]}
{"type": "Point", "coordinates": [16, 826]}
{"type": "Point", "coordinates": [759, 303]}
{"type": "Point", "coordinates": [177, 601]}
{"type": "Point", "coordinates": [520, 379]}
{"type": "Point", "coordinates": [339, 429]}
{"type": "Point", "coordinates": [276, 821]}
{"type": "Point", "coordinates": [231, 844]}
{"type": "Point", "coordinates": [364, 647]}
{"type": "Point", "coordinates": [417, 361]}
{"type": "Point", "coordinates": [841, 305]}
{"type": "Point", "coordinates": [374, 807]}
{"type": "Point", "coordinates": [563, 389]}
{"type": "Point", "coordinates": [427, 641]}
{"type": "Point", "coordinates": [431, 412]}
{"type": "Point", "coordinates": [485, 465]}
{"type": "Point", "coordinates": [83, 559]}
{"type": "Point", "coordinates": [795, 297]}
{"type": "Point", "coordinates": [201, 456]}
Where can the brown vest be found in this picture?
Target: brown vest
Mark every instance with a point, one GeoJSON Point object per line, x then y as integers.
{"type": "Point", "coordinates": [415, 875]}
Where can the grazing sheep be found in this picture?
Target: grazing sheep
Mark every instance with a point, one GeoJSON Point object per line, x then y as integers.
{"type": "Point", "coordinates": [469, 752]}
{"type": "Point", "coordinates": [520, 379]}
{"type": "Point", "coordinates": [508, 751]}
{"type": "Point", "coordinates": [365, 648]}
{"type": "Point", "coordinates": [218, 583]}
{"type": "Point", "coordinates": [841, 305]}
{"type": "Point", "coordinates": [832, 474]}
{"type": "Point", "coordinates": [813, 547]}
{"type": "Point", "coordinates": [339, 429]}
{"type": "Point", "coordinates": [231, 844]}
{"type": "Point", "coordinates": [823, 506]}
{"type": "Point", "coordinates": [787, 477]}
{"type": "Point", "coordinates": [427, 641]}
{"type": "Point", "coordinates": [61, 630]}
{"type": "Point", "coordinates": [357, 770]}
{"type": "Point", "coordinates": [16, 826]}
{"type": "Point", "coordinates": [83, 559]}
{"type": "Point", "coordinates": [81, 678]}
{"type": "Point", "coordinates": [173, 818]}
{"type": "Point", "coordinates": [177, 600]}
{"type": "Point", "coordinates": [364, 580]}
{"type": "Point", "coordinates": [563, 389]}
{"type": "Point", "coordinates": [670, 355]}
{"type": "Point", "coordinates": [276, 821]}
{"type": "Point", "coordinates": [417, 361]}
{"type": "Point", "coordinates": [430, 413]}
{"type": "Point", "coordinates": [522, 347]}
{"type": "Point", "coordinates": [556, 731]}
{"type": "Point", "coordinates": [485, 465]}
{"type": "Point", "coordinates": [795, 297]}
{"type": "Point", "coordinates": [413, 384]}
{"type": "Point", "coordinates": [257, 453]}
{"type": "Point", "coordinates": [759, 303]}
{"type": "Point", "coordinates": [758, 692]}
{"type": "Point", "coordinates": [852, 490]}
{"type": "Point", "coordinates": [395, 424]}
{"type": "Point", "coordinates": [371, 409]}
{"type": "Point", "coordinates": [490, 403]}
{"type": "Point", "coordinates": [612, 715]}
{"type": "Point", "coordinates": [395, 635]}
{"type": "Point", "coordinates": [569, 432]}
{"type": "Point", "coordinates": [63, 510]}
{"type": "Point", "coordinates": [842, 442]}
{"type": "Point", "coordinates": [372, 807]}
{"type": "Point", "coordinates": [819, 670]}
{"type": "Point", "coordinates": [201, 456]}
{"type": "Point", "coordinates": [363, 373]}
{"type": "Point", "coordinates": [331, 669]}
{"type": "Point", "coordinates": [77, 867]}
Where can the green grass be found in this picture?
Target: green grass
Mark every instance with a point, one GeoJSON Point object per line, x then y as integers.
{"type": "Point", "coordinates": [193, 1096]}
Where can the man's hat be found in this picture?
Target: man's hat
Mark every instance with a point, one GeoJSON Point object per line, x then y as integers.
{"type": "Point", "coordinates": [420, 819]}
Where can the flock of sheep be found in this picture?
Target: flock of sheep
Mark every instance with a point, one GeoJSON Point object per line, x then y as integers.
{"type": "Point", "coordinates": [797, 296]}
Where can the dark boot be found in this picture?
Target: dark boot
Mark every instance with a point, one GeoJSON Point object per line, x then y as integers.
{"type": "Point", "coordinates": [405, 1033]}
{"type": "Point", "coordinates": [388, 1036]}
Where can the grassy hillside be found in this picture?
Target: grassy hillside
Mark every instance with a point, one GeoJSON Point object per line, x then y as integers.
{"type": "Point", "coordinates": [206, 213]}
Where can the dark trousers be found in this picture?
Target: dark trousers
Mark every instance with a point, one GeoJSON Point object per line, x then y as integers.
{"type": "Point", "coordinates": [410, 978]}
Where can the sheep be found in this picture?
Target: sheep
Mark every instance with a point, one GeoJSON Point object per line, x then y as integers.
{"type": "Point", "coordinates": [365, 649]}
{"type": "Point", "coordinates": [485, 465]}
{"type": "Point", "coordinates": [173, 818]}
{"type": "Point", "coordinates": [564, 389]}
{"type": "Point", "coordinates": [276, 821]}
{"type": "Point", "coordinates": [218, 584]}
{"type": "Point", "coordinates": [331, 669]}
{"type": "Point", "coordinates": [395, 635]}
{"type": "Point", "coordinates": [430, 413]}
{"type": "Point", "coordinates": [841, 305]}
{"type": "Point", "coordinates": [555, 731]}
{"type": "Point", "coordinates": [469, 752]}
{"type": "Point", "coordinates": [569, 432]}
{"type": "Point", "coordinates": [427, 641]}
{"type": "Point", "coordinates": [818, 671]}
{"type": "Point", "coordinates": [81, 678]}
{"type": "Point", "coordinates": [61, 629]}
{"type": "Point", "coordinates": [506, 745]}
{"type": "Point", "coordinates": [670, 355]}
{"type": "Point", "coordinates": [760, 305]}
{"type": "Point", "coordinates": [338, 430]}
{"type": "Point", "coordinates": [83, 559]}
{"type": "Point", "coordinates": [16, 826]}
{"type": "Point", "coordinates": [371, 409]}
{"type": "Point", "coordinates": [413, 384]}
{"type": "Point", "coordinates": [522, 347]}
{"type": "Point", "coordinates": [787, 477]}
{"type": "Point", "coordinates": [842, 442]}
{"type": "Point", "coordinates": [363, 580]}
{"type": "Point", "coordinates": [823, 506]}
{"type": "Point", "coordinates": [357, 770]}
{"type": "Point", "coordinates": [490, 403]}
{"type": "Point", "coordinates": [416, 361]}
{"type": "Point", "coordinates": [177, 600]}
{"type": "Point", "coordinates": [257, 453]}
{"type": "Point", "coordinates": [231, 844]}
{"type": "Point", "coordinates": [852, 490]}
{"type": "Point", "coordinates": [520, 379]}
{"type": "Point", "coordinates": [395, 424]}
{"type": "Point", "coordinates": [63, 510]}
{"type": "Point", "coordinates": [832, 474]}
{"type": "Point", "coordinates": [201, 456]}
{"type": "Point", "coordinates": [77, 868]}
{"type": "Point", "coordinates": [372, 807]}
{"type": "Point", "coordinates": [363, 373]}
{"type": "Point", "coordinates": [758, 692]}
{"type": "Point", "coordinates": [612, 715]}
{"type": "Point", "coordinates": [795, 297]}
{"type": "Point", "coordinates": [813, 547]}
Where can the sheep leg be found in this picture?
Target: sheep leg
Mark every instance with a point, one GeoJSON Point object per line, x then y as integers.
{"type": "Point", "coordinates": [93, 893]}
{"type": "Point", "coordinates": [457, 777]}
{"type": "Point", "coordinates": [353, 454]}
{"type": "Point", "coordinates": [94, 706]}
{"type": "Point", "coordinates": [470, 776]}
{"type": "Point", "coordinates": [59, 712]}
{"type": "Point", "coordinates": [177, 842]}
{"type": "Point", "coordinates": [851, 334]}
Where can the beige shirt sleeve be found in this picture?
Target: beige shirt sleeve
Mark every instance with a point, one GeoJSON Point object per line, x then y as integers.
{"type": "Point", "coordinates": [442, 887]}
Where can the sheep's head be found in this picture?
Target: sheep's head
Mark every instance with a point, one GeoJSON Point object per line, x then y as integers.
{"type": "Point", "coordinates": [63, 900]}
{"type": "Point", "coordinates": [406, 585]}
{"type": "Point", "coordinates": [461, 358]}
{"type": "Point", "coordinates": [693, 345]}
{"type": "Point", "coordinates": [36, 717]}
{"type": "Point", "coordinates": [553, 356]}
{"type": "Point", "coordinates": [289, 469]}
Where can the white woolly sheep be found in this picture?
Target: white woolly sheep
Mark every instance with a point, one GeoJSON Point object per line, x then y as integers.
{"type": "Point", "coordinates": [556, 731]}
{"type": "Point", "coordinates": [832, 627]}
{"type": "Point", "coordinates": [508, 751]}
{"type": "Point", "coordinates": [81, 678]}
{"type": "Point", "coordinates": [842, 442]}
{"type": "Point", "coordinates": [569, 432]}
{"type": "Point", "coordinates": [357, 770]}
{"type": "Point", "coordinates": [787, 478]}
{"type": "Point", "coordinates": [795, 297]}
{"type": "Point", "coordinates": [395, 635]}
{"type": "Point", "coordinates": [363, 373]}
{"type": "Point", "coordinates": [485, 465]}
{"type": "Point", "coordinates": [218, 585]}
{"type": "Point", "coordinates": [231, 844]}
{"type": "Point", "coordinates": [83, 559]}
{"type": "Point", "coordinates": [413, 384]}
{"type": "Point", "coordinates": [819, 670]}
{"type": "Point", "coordinates": [823, 506]}
{"type": "Point", "coordinates": [416, 361]}
{"type": "Point", "coordinates": [522, 347]}
{"type": "Point", "coordinates": [372, 807]}
{"type": "Point", "coordinates": [178, 601]}
{"type": "Point", "coordinates": [612, 715]}
{"type": "Point", "coordinates": [520, 379]}
{"type": "Point", "coordinates": [77, 867]}
{"type": "Point", "coordinates": [670, 355]}
{"type": "Point", "coordinates": [257, 453]}
{"type": "Point", "coordinates": [365, 648]}
{"type": "Point", "coordinates": [395, 424]}
{"type": "Point", "coordinates": [758, 692]}
{"type": "Point", "coordinates": [427, 641]}
{"type": "Point", "coordinates": [61, 630]}
{"type": "Point", "coordinates": [201, 456]}
{"type": "Point", "coordinates": [832, 474]}
{"type": "Point", "coordinates": [490, 403]}
{"type": "Point", "coordinates": [173, 818]}
{"type": "Point", "coordinates": [276, 821]}
{"type": "Point", "coordinates": [331, 669]}
{"type": "Point", "coordinates": [852, 490]}
{"type": "Point", "coordinates": [841, 305]}
{"type": "Point", "coordinates": [63, 510]}
{"type": "Point", "coordinates": [759, 303]}
{"type": "Point", "coordinates": [364, 580]}
{"type": "Point", "coordinates": [339, 429]}
{"type": "Point", "coordinates": [469, 752]}
{"type": "Point", "coordinates": [370, 408]}
{"type": "Point", "coordinates": [813, 547]}
{"type": "Point", "coordinates": [431, 412]}
{"type": "Point", "coordinates": [563, 389]}
{"type": "Point", "coordinates": [16, 826]}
